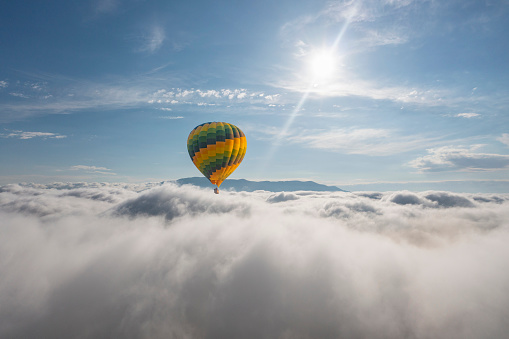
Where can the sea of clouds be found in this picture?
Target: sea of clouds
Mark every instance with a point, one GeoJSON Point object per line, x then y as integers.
{"type": "Point", "coordinates": [163, 261]}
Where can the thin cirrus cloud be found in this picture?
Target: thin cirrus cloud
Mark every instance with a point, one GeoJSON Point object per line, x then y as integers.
{"type": "Point", "coordinates": [152, 40]}
{"type": "Point", "coordinates": [366, 16]}
{"type": "Point", "coordinates": [92, 169]}
{"type": "Point", "coordinates": [106, 6]}
{"type": "Point", "coordinates": [163, 95]}
{"type": "Point", "coordinates": [165, 261]}
{"type": "Point", "coordinates": [174, 117]}
{"type": "Point", "coordinates": [117, 95]}
{"type": "Point", "coordinates": [211, 97]}
{"type": "Point", "coordinates": [19, 95]}
{"type": "Point", "coordinates": [504, 139]}
{"type": "Point", "coordinates": [351, 85]}
{"type": "Point", "coordinates": [366, 141]}
{"type": "Point", "coordinates": [360, 12]}
{"type": "Point", "coordinates": [468, 115]}
{"type": "Point", "coordinates": [366, 10]}
{"type": "Point", "coordinates": [364, 25]}
{"type": "Point", "coordinates": [84, 95]}
{"type": "Point", "coordinates": [25, 135]}
{"type": "Point", "coordinates": [450, 158]}
{"type": "Point", "coordinates": [375, 37]}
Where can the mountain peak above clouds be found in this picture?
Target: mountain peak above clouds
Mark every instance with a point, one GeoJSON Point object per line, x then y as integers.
{"type": "Point", "coordinates": [271, 186]}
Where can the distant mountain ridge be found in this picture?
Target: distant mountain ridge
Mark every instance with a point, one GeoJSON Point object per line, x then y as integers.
{"type": "Point", "coordinates": [271, 186]}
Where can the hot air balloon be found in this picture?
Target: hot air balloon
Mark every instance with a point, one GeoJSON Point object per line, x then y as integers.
{"type": "Point", "coordinates": [217, 149]}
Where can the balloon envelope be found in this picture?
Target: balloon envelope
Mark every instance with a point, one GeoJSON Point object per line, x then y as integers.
{"type": "Point", "coordinates": [216, 148]}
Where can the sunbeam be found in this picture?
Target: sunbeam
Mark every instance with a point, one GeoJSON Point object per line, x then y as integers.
{"type": "Point", "coordinates": [322, 65]}
{"type": "Point", "coordinates": [284, 131]}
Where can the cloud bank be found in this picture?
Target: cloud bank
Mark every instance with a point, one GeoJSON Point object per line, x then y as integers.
{"type": "Point", "coordinates": [163, 261]}
{"type": "Point", "coordinates": [450, 158]}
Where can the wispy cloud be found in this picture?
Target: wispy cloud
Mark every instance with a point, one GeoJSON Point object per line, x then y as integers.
{"type": "Point", "coordinates": [347, 84]}
{"type": "Point", "coordinates": [19, 95]}
{"type": "Point", "coordinates": [152, 40]}
{"type": "Point", "coordinates": [450, 158]}
{"type": "Point", "coordinates": [106, 6]}
{"type": "Point", "coordinates": [30, 135]}
{"type": "Point", "coordinates": [171, 117]}
{"type": "Point", "coordinates": [203, 97]}
{"type": "Point", "coordinates": [92, 169]}
{"type": "Point", "coordinates": [76, 95]}
{"type": "Point", "coordinates": [365, 10]}
{"type": "Point", "coordinates": [504, 139]}
{"type": "Point", "coordinates": [89, 168]}
{"type": "Point", "coordinates": [367, 141]}
{"type": "Point", "coordinates": [363, 26]}
{"type": "Point", "coordinates": [3, 84]}
{"type": "Point", "coordinates": [468, 115]}
{"type": "Point", "coordinates": [382, 37]}
{"type": "Point", "coordinates": [364, 15]}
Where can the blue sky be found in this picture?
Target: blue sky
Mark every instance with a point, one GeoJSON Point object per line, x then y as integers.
{"type": "Point", "coordinates": [341, 92]}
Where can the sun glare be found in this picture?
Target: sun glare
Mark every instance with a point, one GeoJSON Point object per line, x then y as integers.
{"type": "Point", "coordinates": [322, 64]}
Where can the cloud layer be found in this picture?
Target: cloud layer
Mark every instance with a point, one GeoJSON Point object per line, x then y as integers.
{"type": "Point", "coordinates": [162, 261]}
{"type": "Point", "coordinates": [460, 159]}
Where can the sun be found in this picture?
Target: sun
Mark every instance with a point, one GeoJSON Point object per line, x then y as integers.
{"type": "Point", "coordinates": [322, 64]}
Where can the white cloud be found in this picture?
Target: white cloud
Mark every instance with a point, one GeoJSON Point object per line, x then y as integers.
{"type": "Point", "coordinates": [103, 172]}
{"type": "Point", "coordinates": [184, 93]}
{"type": "Point", "coordinates": [342, 139]}
{"type": "Point", "coordinates": [366, 16]}
{"type": "Point", "coordinates": [369, 141]}
{"type": "Point", "coordinates": [379, 37]}
{"type": "Point", "coordinates": [137, 93]}
{"type": "Point", "coordinates": [92, 169]}
{"type": "Point", "coordinates": [19, 95]}
{"type": "Point", "coordinates": [350, 85]}
{"type": "Point", "coordinates": [171, 117]}
{"type": "Point", "coordinates": [89, 168]}
{"type": "Point", "coordinates": [182, 262]}
{"type": "Point", "coordinates": [209, 96]}
{"type": "Point", "coordinates": [106, 6]}
{"type": "Point", "coordinates": [467, 115]}
{"type": "Point", "coordinates": [504, 139]}
{"type": "Point", "coordinates": [3, 84]}
{"type": "Point", "coordinates": [209, 93]}
{"type": "Point", "coordinates": [449, 158]}
{"type": "Point", "coordinates": [85, 96]}
{"type": "Point", "coordinates": [153, 40]}
{"type": "Point", "coordinates": [30, 135]}
{"type": "Point", "coordinates": [280, 197]}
